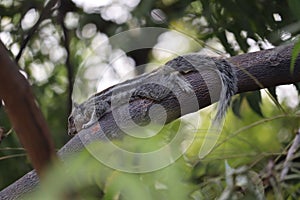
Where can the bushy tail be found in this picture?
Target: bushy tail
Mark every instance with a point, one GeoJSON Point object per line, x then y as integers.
{"type": "Point", "coordinates": [229, 87]}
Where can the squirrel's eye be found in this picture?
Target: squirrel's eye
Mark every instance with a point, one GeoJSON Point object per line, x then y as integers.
{"type": "Point", "coordinates": [71, 120]}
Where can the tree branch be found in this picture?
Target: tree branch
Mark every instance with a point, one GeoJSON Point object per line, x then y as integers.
{"type": "Point", "coordinates": [257, 70]}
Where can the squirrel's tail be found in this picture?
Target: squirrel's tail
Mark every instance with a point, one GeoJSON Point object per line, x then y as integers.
{"type": "Point", "coordinates": [229, 88]}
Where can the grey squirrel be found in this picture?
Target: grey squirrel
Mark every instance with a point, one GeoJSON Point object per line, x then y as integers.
{"type": "Point", "coordinates": [163, 80]}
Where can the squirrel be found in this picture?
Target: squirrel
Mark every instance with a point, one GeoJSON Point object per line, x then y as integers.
{"type": "Point", "coordinates": [163, 80]}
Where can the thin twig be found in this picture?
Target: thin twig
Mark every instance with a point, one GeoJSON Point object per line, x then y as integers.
{"type": "Point", "coordinates": [45, 14]}
{"type": "Point", "coordinates": [288, 161]}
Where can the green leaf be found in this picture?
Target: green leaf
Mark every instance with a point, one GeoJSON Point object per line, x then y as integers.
{"type": "Point", "coordinates": [236, 106]}
{"type": "Point", "coordinates": [295, 7]}
{"type": "Point", "coordinates": [295, 53]}
{"type": "Point", "coordinates": [254, 101]}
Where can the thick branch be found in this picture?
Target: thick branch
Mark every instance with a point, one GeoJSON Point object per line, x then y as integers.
{"type": "Point", "coordinates": [23, 112]}
{"type": "Point", "coordinates": [254, 70]}
{"type": "Point", "coordinates": [269, 68]}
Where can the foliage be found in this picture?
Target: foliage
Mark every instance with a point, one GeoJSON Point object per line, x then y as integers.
{"type": "Point", "coordinates": [56, 50]}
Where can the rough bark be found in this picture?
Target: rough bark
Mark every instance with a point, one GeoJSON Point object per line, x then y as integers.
{"type": "Point", "coordinates": [254, 70]}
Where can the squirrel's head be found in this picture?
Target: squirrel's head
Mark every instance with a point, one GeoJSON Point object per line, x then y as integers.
{"type": "Point", "coordinates": [76, 113]}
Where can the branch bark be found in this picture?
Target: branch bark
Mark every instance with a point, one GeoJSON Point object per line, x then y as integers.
{"type": "Point", "coordinates": [254, 70]}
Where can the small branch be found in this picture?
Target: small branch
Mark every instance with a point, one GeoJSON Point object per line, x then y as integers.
{"type": "Point", "coordinates": [288, 161]}
{"type": "Point", "coordinates": [66, 42]}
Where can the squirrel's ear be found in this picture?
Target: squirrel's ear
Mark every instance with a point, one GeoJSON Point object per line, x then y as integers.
{"type": "Point", "coordinates": [75, 105]}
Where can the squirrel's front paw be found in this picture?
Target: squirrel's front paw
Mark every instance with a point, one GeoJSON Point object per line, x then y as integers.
{"type": "Point", "coordinates": [87, 125]}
